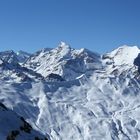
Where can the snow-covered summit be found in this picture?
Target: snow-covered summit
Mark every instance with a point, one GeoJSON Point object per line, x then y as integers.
{"type": "Point", "coordinates": [123, 55]}
{"type": "Point", "coordinates": [64, 61]}
{"type": "Point", "coordinates": [63, 44]}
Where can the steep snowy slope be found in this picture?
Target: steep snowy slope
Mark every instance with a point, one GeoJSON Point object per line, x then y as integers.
{"type": "Point", "coordinates": [14, 72]}
{"type": "Point", "coordinates": [9, 56]}
{"type": "Point", "coordinates": [12, 57]}
{"type": "Point", "coordinates": [11, 69]}
{"type": "Point", "coordinates": [104, 106]}
{"type": "Point", "coordinates": [14, 127]}
{"type": "Point", "coordinates": [64, 61]}
{"type": "Point", "coordinates": [90, 111]}
{"type": "Point", "coordinates": [22, 56]}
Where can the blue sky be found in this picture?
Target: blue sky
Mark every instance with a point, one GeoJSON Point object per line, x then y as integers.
{"type": "Point", "coordinates": [99, 25]}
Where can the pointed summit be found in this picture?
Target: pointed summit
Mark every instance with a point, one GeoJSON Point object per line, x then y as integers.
{"type": "Point", "coordinates": [63, 45]}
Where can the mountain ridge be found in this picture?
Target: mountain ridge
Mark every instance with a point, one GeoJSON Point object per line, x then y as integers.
{"type": "Point", "coordinates": [99, 99]}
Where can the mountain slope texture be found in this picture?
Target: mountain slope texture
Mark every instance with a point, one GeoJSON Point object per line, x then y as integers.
{"type": "Point", "coordinates": [68, 94]}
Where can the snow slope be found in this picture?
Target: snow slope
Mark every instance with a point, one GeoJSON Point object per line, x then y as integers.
{"type": "Point", "coordinates": [102, 105]}
{"type": "Point", "coordinates": [14, 127]}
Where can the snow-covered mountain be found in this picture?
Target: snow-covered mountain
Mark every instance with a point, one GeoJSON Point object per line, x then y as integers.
{"type": "Point", "coordinates": [123, 55]}
{"type": "Point", "coordinates": [15, 72]}
{"type": "Point", "coordinates": [9, 56]}
{"type": "Point", "coordinates": [22, 56]}
{"type": "Point", "coordinates": [11, 68]}
{"type": "Point", "coordinates": [81, 96]}
{"type": "Point", "coordinates": [64, 61]}
{"type": "Point", "coordinates": [12, 57]}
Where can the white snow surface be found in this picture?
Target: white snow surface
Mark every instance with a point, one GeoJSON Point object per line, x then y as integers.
{"type": "Point", "coordinates": [102, 106]}
{"type": "Point", "coordinates": [11, 123]}
{"type": "Point", "coordinates": [124, 55]}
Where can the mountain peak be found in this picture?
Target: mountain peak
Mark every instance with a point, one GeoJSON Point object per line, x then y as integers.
{"type": "Point", "coordinates": [63, 45]}
{"type": "Point", "coordinates": [127, 49]}
{"type": "Point", "coordinates": [124, 55]}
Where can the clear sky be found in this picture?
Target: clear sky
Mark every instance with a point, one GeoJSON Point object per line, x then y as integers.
{"type": "Point", "coordinates": [99, 25]}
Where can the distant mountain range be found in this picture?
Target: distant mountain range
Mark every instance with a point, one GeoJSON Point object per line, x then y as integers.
{"type": "Point", "coordinates": [68, 94]}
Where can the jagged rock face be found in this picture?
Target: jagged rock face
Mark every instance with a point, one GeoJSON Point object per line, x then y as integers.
{"type": "Point", "coordinates": [14, 58]}
{"type": "Point", "coordinates": [22, 56]}
{"type": "Point", "coordinates": [1, 61]}
{"type": "Point", "coordinates": [11, 68]}
{"type": "Point", "coordinates": [15, 72]}
{"type": "Point", "coordinates": [137, 62]}
{"type": "Point", "coordinates": [9, 57]}
{"type": "Point", "coordinates": [64, 61]}
{"type": "Point", "coordinates": [54, 77]}
{"type": "Point", "coordinates": [99, 99]}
